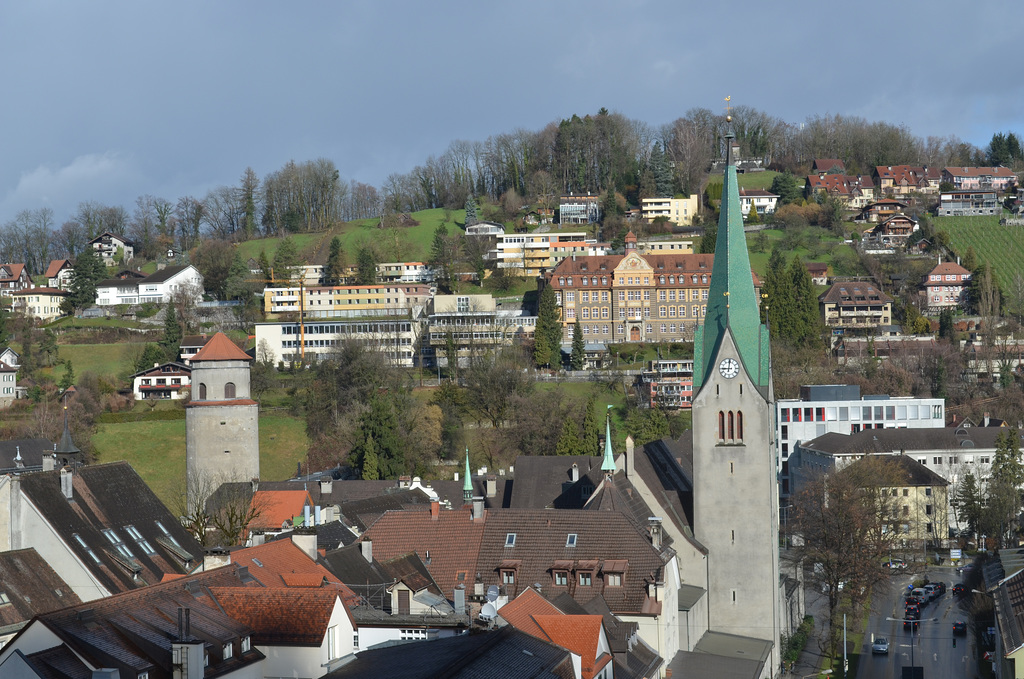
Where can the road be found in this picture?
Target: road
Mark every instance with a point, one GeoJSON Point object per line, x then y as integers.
{"type": "Point", "coordinates": [933, 642]}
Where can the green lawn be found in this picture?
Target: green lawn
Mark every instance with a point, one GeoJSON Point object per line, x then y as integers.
{"type": "Point", "coordinates": [70, 322]}
{"type": "Point", "coordinates": [1002, 247]}
{"type": "Point", "coordinates": [750, 180]}
{"type": "Point", "coordinates": [104, 360]}
{"type": "Point", "coordinates": [841, 252]}
{"type": "Point", "coordinates": [156, 450]}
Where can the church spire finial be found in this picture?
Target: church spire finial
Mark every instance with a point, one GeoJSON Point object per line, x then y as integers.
{"type": "Point", "coordinates": [608, 465]}
{"type": "Point", "coordinates": [467, 485]}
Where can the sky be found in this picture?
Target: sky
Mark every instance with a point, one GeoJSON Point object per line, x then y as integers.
{"type": "Point", "coordinates": [108, 101]}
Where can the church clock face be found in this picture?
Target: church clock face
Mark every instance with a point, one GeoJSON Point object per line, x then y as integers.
{"type": "Point", "coordinates": [729, 368]}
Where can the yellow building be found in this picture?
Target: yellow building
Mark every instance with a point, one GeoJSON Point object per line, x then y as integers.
{"type": "Point", "coordinates": [679, 211]}
{"type": "Point", "coordinates": [41, 303]}
{"type": "Point", "coordinates": [347, 301]}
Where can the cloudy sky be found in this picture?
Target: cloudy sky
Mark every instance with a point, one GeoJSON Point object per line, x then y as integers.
{"type": "Point", "coordinates": [108, 101]}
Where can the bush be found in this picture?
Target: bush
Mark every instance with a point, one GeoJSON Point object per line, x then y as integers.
{"type": "Point", "coordinates": [794, 645]}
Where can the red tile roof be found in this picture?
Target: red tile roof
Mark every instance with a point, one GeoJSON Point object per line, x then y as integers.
{"type": "Point", "coordinates": [277, 507]}
{"type": "Point", "coordinates": [55, 266]}
{"type": "Point", "coordinates": [826, 164]}
{"type": "Point", "coordinates": [220, 348]}
{"type": "Point", "coordinates": [280, 615]}
{"type": "Point", "coordinates": [520, 611]}
{"type": "Point", "coordinates": [980, 171]}
{"type": "Point", "coordinates": [280, 563]}
{"type": "Point", "coordinates": [40, 291]}
{"type": "Point", "coordinates": [15, 270]}
{"type": "Point", "coordinates": [949, 268]}
{"type": "Point", "coordinates": [580, 634]}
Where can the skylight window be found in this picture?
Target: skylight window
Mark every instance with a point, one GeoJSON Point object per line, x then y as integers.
{"type": "Point", "coordinates": [166, 533]}
{"type": "Point", "coordinates": [510, 540]}
{"type": "Point", "coordinates": [4, 599]}
{"type": "Point", "coordinates": [134, 534]}
{"type": "Point", "coordinates": [118, 544]}
{"type": "Point", "coordinates": [81, 543]}
{"type": "Point", "coordinates": [570, 540]}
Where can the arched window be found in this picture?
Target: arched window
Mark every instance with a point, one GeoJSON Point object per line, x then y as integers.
{"type": "Point", "coordinates": [721, 425]}
{"type": "Point", "coordinates": [739, 425]}
{"type": "Point", "coordinates": [202, 391]}
{"type": "Point", "coordinates": [229, 390]}
{"type": "Point", "coordinates": [732, 427]}
{"type": "Point", "coordinates": [661, 279]}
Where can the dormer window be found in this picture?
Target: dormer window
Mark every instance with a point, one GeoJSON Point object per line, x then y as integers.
{"type": "Point", "coordinates": [246, 644]}
{"type": "Point", "coordinates": [585, 579]}
{"type": "Point", "coordinates": [228, 650]}
{"type": "Point", "coordinates": [561, 578]}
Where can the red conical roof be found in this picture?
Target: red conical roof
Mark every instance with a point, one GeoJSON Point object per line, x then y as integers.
{"type": "Point", "coordinates": [220, 348]}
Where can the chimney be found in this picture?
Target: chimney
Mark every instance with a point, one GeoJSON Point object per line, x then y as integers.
{"type": "Point", "coordinates": [630, 445]}
{"type": "Point", "coordinates": [478, 508]}
{"type": "Point", "coordinates": [305, 539]}
{"type": "Point", "coordinates": [984, 421]}
{"type": "Point", "coordinates": [257, 538]}
{"type": "Point", "coordinates": [366, 549]}
{"type": "Point", "coordinates": [460, 599]}
{"type": "Point", "coordinates": [18, 462]}
{"type": "Point", "coordinates": [48, 462]}
{"type": "Point", "coordinates": [654, 525]}
{"type": "Point", "coordinates": [435, 508]}
{"type": "Point", "coordinates": [216, 557]}
{"type": "Point", "coordinates": [65, 483]}
{"type": "Point", "coordinates": [491, 485]}
{"type": "Point", "coordinates": [574, 474]}
{"type": "Point", "coordinates": [404, 481]}
{"type": "Point", "coordinates": [305, 516]}
{"type": "Point", "coordinates": [188, 658]}
{"type": "Point", "coordinates": [326, 485]}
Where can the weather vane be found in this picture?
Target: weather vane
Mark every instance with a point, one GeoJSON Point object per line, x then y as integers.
{"type": "Point", "coordinates": [728, 108]}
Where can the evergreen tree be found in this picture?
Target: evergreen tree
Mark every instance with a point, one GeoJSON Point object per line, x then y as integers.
{"type": "Point", "coordinates": [970, 259]}
{"type": "Point", "coordinates": [171, 341]}
{"type": "Point", "coordinates": [3, 327]}
{"type": "Point", "coordinates": [151, 354]}
{"type": "Point", "coordinates": [590, 440]}
{"type": "Point", "coordinates": [805, 324]}
{"type": "Point", "coordinates": [579, 347]}
{"type": "Point", "coordinates": [969, 503]}
{"type": "Point", "coordinates": [752, 216]}
{"type": "Point", "coordinates": [646, 425]}
{"type": "Point", "coordinates": [441, 260]}
{"type": "Point", "coordinates": [785, 186]}
{"type": "Point", "coordinates": [286, 257]}
{"type": "Point", "coordinates": [378, 435]}
{"type": "Point", "coordinates": [88, 270]}
{"type": "Point", "coordinates": [335, 267]}
{"type": "Point", "coordinates": [1006, 464]}
{"type": "Point", "coordinates": [548, 331]}
{"type": "Point", "coordinates": [946, 324]}
{"type": "Point", "coordinates": [777, 307]}
{"type": "Point", "coordinates": [569, 442]}
{"type": "Point", "coordinates": [68, 378]}
{"type": "Point", "coordinates": [471, 217]}
{"type": "Point", "coordinates": [366, 266]}
{"type": "Point", "coordinates": [48, 351]}
{"type": "Point", "coordinates": [370, 470]}
{"type": "Point", "coordinates": [266, 269]}
{"type": "Point", "coordinates": [709, 240]}
{"type": "Point", "coordinates": [236, 285]}
{"type": "Point", "coordinates": [609, 205]}
{"type": "Point", "coordinates": [662, 170]}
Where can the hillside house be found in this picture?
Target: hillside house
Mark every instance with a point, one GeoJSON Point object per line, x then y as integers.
{"type": "Point", "coordinates": [41, 303]}
{"type": "Point", "coordinates": [855, 305]}
{"type": "Point", "coordinates": [762, 201]}
{"type": "Point", "coordinates": [946, 286]}
{"type": "Point", "coordinates": [902, 180]}
{"type": "Point", "coordinates": [13, 277]}
{"type": "Point", "coordinates": [163, 381]}
{"type": "Point", "coordinates": [999, 179]}
{"type": "Point", "coordinates": [107, 245]}
{"type": "Point", "coordinates": [968, 203]}
{"type": "Point", "coordinates": [59, 273]}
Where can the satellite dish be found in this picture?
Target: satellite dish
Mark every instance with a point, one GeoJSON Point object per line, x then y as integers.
{"type": "Point", "coordinates": [488, 612]}
{"type": "Point", "coordinates": [492, 594]}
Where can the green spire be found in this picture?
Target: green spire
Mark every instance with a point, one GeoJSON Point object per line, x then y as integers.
{"type": "Point", "coordinates": [732, 302]}
{"type": "Point", "coordinates": [467, 485]}
{"type": "Point", "coordinates": [609, 459]}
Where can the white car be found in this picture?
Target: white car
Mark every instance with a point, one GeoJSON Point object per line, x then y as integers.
{"type": "Point", "coordinates": [881, 645]}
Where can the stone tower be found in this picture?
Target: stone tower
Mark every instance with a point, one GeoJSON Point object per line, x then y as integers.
{"type": "Point", "coordinates": [221, 421]}
{"type": "Point", "coordinates": [736, 506]}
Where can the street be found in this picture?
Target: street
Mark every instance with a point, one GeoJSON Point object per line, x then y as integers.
{"type": "Point", "coordinates": [933, 650]}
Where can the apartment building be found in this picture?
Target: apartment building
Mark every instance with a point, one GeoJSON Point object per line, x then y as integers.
{"type": "Point", "coordinates": [471, 325]}
{"type": "Point", "coordinates": [968, 203]}
{"type": "Point", "coordinates": [855, 305]}
{"type": "Point", "coordinates": [41, 303]}
{"type": "Point", "coordinates": [999, 179]}
{"type": "Point", "coordinates": [347, 301]}
{"type": "Point", "coordinates": [680, 211]}
{"type": "Point", "coordinates": [535, 253]}
{"type": "Point", "coordinates": [573, 209]}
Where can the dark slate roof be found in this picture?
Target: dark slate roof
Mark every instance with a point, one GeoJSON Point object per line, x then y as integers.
{"type": "Point", "coordinates": [113, 496]}
{"type": "Point", "coordinates": [908, 440]}
{"type": "Point", "coordinates": [31, 586]}
{"type": "Point", "coordinates": [661, 466]}
{"type": "Point", "coordinates": [369, 581]}
{"type": "Point", "coordinates": [622, 496]}
{"type": "Point", "coordinates": [723, 656]}
{"type": "Point", "coordinates": [545, 481]}
{"type": "Point", "coordinates": [409, 569]}
{"type": "Point", "coordinates": [910, 472]}
{"type": "Point", "coordinates": [503, 654]}
{"type": "Point", "coordinates": [362, 513]}
{"type": "Point", "coordinates": [1009, 600]}
{"type": "Point", "coordinates": [58, 662]}
{"type": "Point", "coordinates": [32, 451]}
{"type": "Point", "coordinates": [164, 274]}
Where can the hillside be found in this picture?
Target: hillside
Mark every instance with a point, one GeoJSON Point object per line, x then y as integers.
{"type": "Point", "coordinates": [1002, 247]}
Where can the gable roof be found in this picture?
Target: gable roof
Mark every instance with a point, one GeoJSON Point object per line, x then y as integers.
{"type": "Point", "coordinates": [56, 266]}
{"type": "Point", "coordinates": [949, 268]}
{"type": "Point", "coordinates": [279, 615]}
{"type": "Point", "coordinates": [411, 571]}
{"type": "Point", "coordinates": [277, 563]}
{"type": "Point", "coordinates": [31, 586]}
{"type": "Point", "coordinates": [370, 581]}
{"type": "Point", "coordinates": [541, 480]}
{"type": "Point", "coordinates": [275, 508]}
{"type": "Point", "coordinates": [112, 497]}
{"type": "Point", "coordinates": [111, 234]}
{"type": "Point", "coordinates": [520, 611]}
{"type": "Point", "coordinates": [31, 451]}
{"type": "Point", "coordinates": [826, 164]}
{"type": "Point", "coordinates": [871, 441]}
{"type": "Point", "coordinates": [581, 634]}
{"type": "Point", "coordinates": [15, 271]}
{"type": "Point", "coordinates": [39, 291]}
{"type": "Point", "coordinates": [853, 292]}
{"type": "Point", "coordinates": [998, 171]}
{"type": "Point", "coordinates": [165, 274]}
{"type": "Point", "coordinates": [220, 348]}
{"type": "Point", "coordinates": [179, 369]}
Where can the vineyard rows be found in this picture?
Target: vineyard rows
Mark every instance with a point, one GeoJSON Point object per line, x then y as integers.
{"type": "Point", "coordinates": [1002, 247]}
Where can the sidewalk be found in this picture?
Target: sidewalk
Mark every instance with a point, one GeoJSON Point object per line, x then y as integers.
{"type": "Point", "coordinates": [811, 658]}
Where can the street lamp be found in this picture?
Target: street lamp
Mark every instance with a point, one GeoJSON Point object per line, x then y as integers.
{"type": "Point", "coordinates": [913, 628]}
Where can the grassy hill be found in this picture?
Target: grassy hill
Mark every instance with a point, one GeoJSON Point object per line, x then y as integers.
{"type": "Point", "coordinates": [1002, 247]}
{"type": "Point", "coordinates": [749, 180]}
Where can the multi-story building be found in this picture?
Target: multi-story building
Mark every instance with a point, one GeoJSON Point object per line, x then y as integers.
{"type": "Point", "coordinates": [894, 231]}
{"type": "Point", "coordinates": [675, 245]}
{"type": "Point", "coordinates": [855, 305]}
{"type": "Point", "coordinates": [633, 297]}
{"type": "Point", "coordinates": [999, 179]}
{"type": "Point", "coordinates": [667, 383]}
{"type": "Point", "coordinates": [902, 180]}
{"type": "Point", "coordinates": [762, 201]}
{"type": "Point", "coordinates": [157, 288]}
{"type": "Point", "coordinates": [968, 203]}
{"type": "Point", "coordinates": [840, 408]}
{"type": "Point", "coordinates": [108, 244]}
{"type": "Point", "coordinates": [41, 303]}
{"type": "Point", "coordinates": [881, 210]}
{"type": "Point", "coordinates": [535, 253]}
{"type": "Point", "coordinates": [59, 273]}
{"type": "Point", "coordinates": [680, 211]}
{"type": "Point", "coordinates": [470, 325]}
{"type": "Point", "coordinates": [573, 209]}
{"type": "Point", "coordinates": [8, 384]}
{"type": "Point", "coordinates": [855, 191]}
{"type": "Point", "coordinates": [347, 301]}
{"type": "Point", "coordinates": [13, 277]}
{"type": "Point", "coordinates": [162, 381]}
{"type": "Point", "coordinates": [395, 337]}
{"type": "Point", "coordinates": [946, 286]}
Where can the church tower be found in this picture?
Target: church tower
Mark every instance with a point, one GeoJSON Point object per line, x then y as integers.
{"type": "Point", "coordinates": [735, 505]}
{"type": "Point", "coordinates": [221, 421]}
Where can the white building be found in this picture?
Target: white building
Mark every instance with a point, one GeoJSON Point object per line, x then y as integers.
{"type": "Point", "coordinates": [762, 201]}
{"type": "Point", "coordinates": [166, 381]}
{"type": "Point", "coordinates": [158, 288]}
{"type": "Point", "coordinates": [313, 341]}
{"type": "Point", "coordinates": [107, 246]}
{"type": "Point", "coordinates": [840, 408]}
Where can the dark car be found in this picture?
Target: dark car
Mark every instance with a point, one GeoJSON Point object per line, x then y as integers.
{"type": "Point", "coordinates": [942, 587]}
{"type": "Point", "coordinates": [960, 628]}
{"type": "Point", "coordinates": [959, 589]}
{"type": "Point", "coordinates": [909, 623]}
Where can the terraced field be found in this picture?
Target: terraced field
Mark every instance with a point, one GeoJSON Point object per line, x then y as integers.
{"type": "Point", "coordinates": [1002, 247]}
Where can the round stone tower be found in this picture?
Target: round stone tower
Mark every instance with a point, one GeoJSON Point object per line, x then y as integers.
{"type": "Point", "coordinates": [222, 441]}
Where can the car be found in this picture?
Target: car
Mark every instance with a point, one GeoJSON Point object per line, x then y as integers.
{"type": "Point", "coordinates": [932, 590]}
{"type": "Point", "coordinates": [960, 628]}
{"type": "Point", "coordinates": [895, 564]}
{"type": "Point", "coordinates": [959, 589]}
{"type": "Point", "coordinates": [909, 623]}
{"type": "Point", "coordinates": [966, 568]}
{"type": "Point", "coordinates": [942, 587]}
{"type": "Point", "coordinates": [881, 645]}
{"type": "Point", "coordinates": [912, 613]}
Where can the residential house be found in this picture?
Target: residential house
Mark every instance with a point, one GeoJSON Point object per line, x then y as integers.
{"type": "Point", "coordinates": [28, 587]}
{"type": "Point", "coordinates": [999, 179]}
{"type": "Point", "coordinates": [584, 635]}
{"type": "Point", "coordinates": [946, 286]}
{"type": "Point", "coordinates": [475, 325]}
{"type": "Point", "coordinates": [157, 288]}
{"type": "Point", "coordinates": [1009, 617]}
{"type": "Point", "coordinates": [573, 209]}
{"type": "Point", "coordinates": [632, 297]}
{"type": "Point", "coordinates": [854, 191]}
{"type": "Point", "coordinates": [13, 277]}
{"type": "Point", "coordinates": [190, 346]}
{"type": "Point", "coordinates": [10, 357]}
{"type": "Point", "coordinates": [855, 305]}
{"type": "Point", "coordinates": [757, 199]}
{"type": "Point", "coordinates": [163, 381]}
{"type": "Point", "coordinates": [274, 511]}
{"type": "Point", "coordinates": [892, 232]}
{"type": "Point", "coordinates": [107, 245]}
{"type": "Point", "coordinates": [59, 274]}
{"type": "Point", "coordinates": [902, 180]}
{"type": "Point", "coordinates": [824, 408]}
{"type": "Point", "coordinates": [678, 211]}
{"type": "Point", "coordinates": [536, 253]}
{"type": "Point", "coordinates": [670, 244]}
{"type": "Point", "coordinates": [667, 384]}
{"type": "Point", "coordinates": [41, 303]}
{"type": "Point", "coordinates": [880, 210]}
{"type": "Point", "coordinates": [828, 166]}
{"type": "Point", "coordinates": [486, 229]}
{"type": "Point", "coordinates": [818, 271]}
{"type": "Point", "coordinates": [166, 629]}
{"type": "Point", "coordinates": [968, 203]}
{"type": "Point", "coordinates": [8, 384]}
{"type": "Point", "coordinates": [100, 526]}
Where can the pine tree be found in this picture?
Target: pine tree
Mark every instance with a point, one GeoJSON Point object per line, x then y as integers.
{"type": "Point", "coordinates": [752, 216]}
{"type": "Point", "coordinates": [378, 435]}
{"type": "Point", "coordinates": [265, 267]}
{"type": "Point", "coordinates": [286, 257]}
{"type": "Point", "coordinates": [786, 188]}
{"type": "Point", "coordinates": [88, 270]}
{"type": "Point", "coordinates": [1006, 464]}
{"type": "Point", "coordinates": [662, 172]}
{"type": "Point", "coordinates": [777, 308]}
{"type": "Point", "coordinates": [236, 284]}
{"type": "Point", "coordinates": [590, 440]}
{"type": "Point", "coordinates": [569, 442]}
{"type": "Point", "coordinates": [366, 266]}
{"type": "Point", "coordinates": [440, 258]}
{"type": "Point", "coordinates": [610, 204]}
{"type": "Point", "coordinates": [334, 270]}
{"type": "Point", "coordinates": [3, 327]}
{"type": "Point", "coordinates": [471, 217]}
{"type": "Point", "coordinates": [709, 240]}
{"type": "Point", "coordinates": [68, 378]}
{"type": "Point", "coordinates": [946, 324]}
{"type": "Point", "coordinates": [370, 470]}
{"type": "Point", "coordinates": [969, 503]}
{"type": "Point", "coordinates": [547, 333]}
{"type": "Point", "coordinates": [579, 347]}
{"type": "Point", "coordinates": [171, 341]}
{"type": "Point", "coordinates": [805, 304]}
{"type": "Point", "coordinates": [970, 259]}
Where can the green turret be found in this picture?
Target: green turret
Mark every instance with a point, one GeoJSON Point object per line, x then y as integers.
{"type": "Point", "coordinates": [467, 485]}
{"type": "Point", "coordinates": [608, 465]}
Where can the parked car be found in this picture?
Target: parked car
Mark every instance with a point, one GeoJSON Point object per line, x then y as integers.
{"type": "Point", "coordinates": [881, 645]}
{"type": "Point", "coordinates": [932, 591]}
{"type": "Point", "coordinates": [960, 628]}
{"type": "Point", "coordinates": [899, 564]}
{"type": "Point", "coordinates": [959, 589]}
